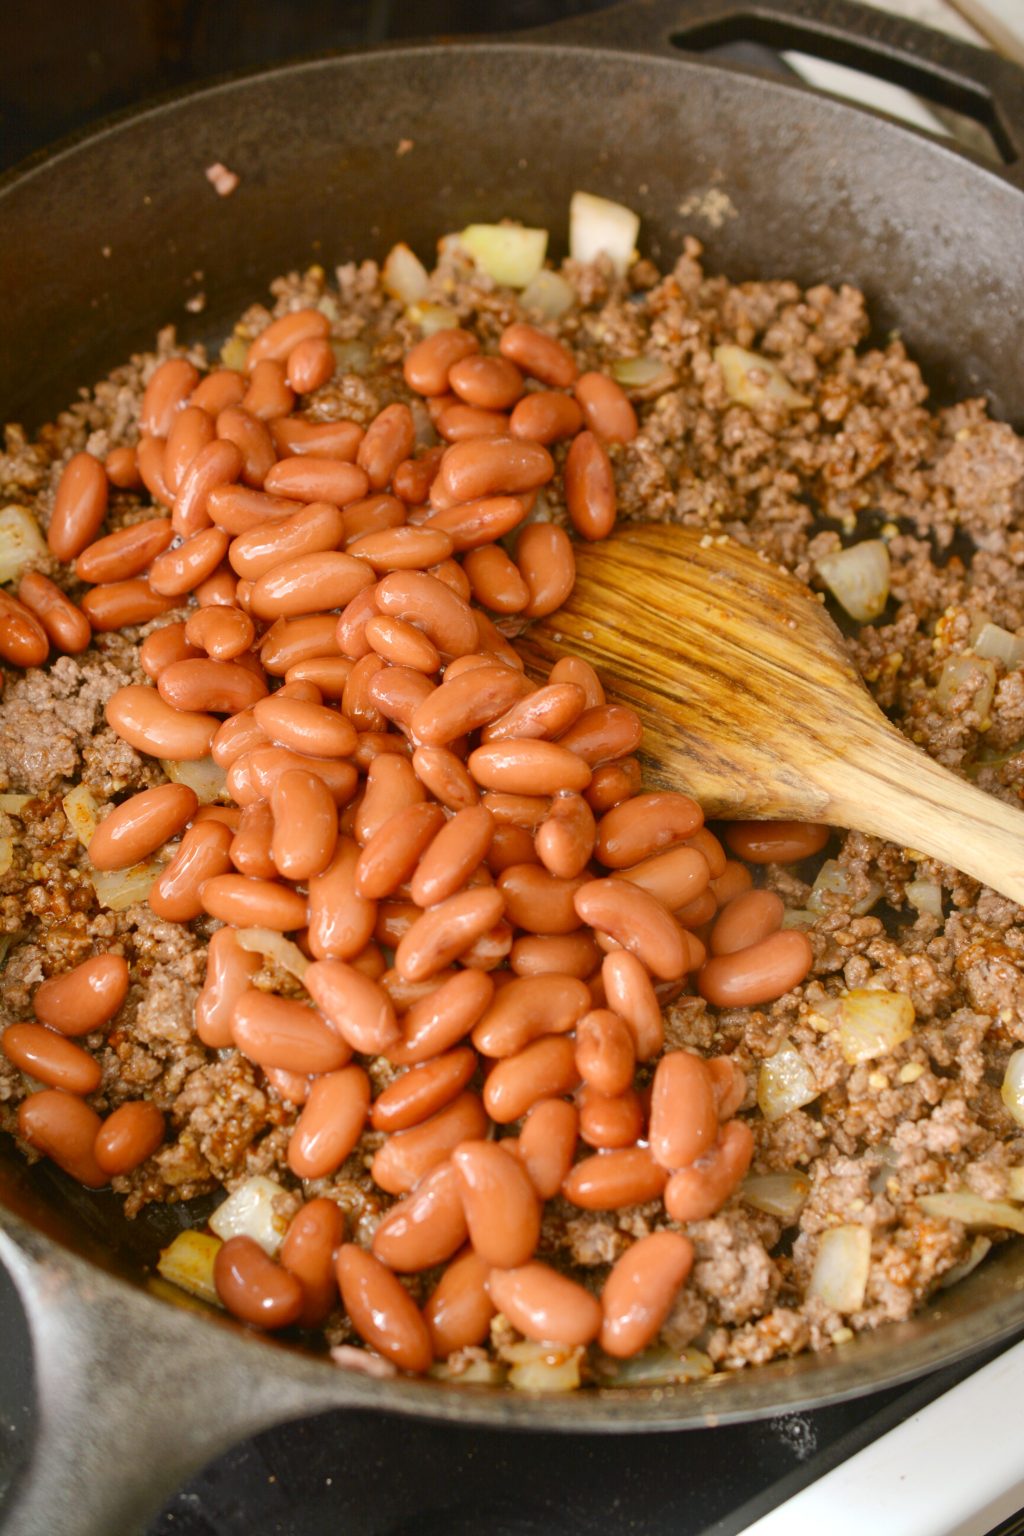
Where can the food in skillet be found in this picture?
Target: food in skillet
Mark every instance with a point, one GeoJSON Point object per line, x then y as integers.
{"type": "Point", "coordinates": [311, 896]}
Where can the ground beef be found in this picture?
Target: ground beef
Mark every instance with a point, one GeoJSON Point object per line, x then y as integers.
{"type": "Point", "coordinates": [864, 456]}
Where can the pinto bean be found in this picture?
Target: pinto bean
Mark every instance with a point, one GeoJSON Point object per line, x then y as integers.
{"type": "Point", "coordinates": [527, 1007]}
{"type": "Point", "coordinates": [410, 1155]}
{"type": "Point", "coordinates": [546, 1069]}
{"type": "Point", "coordinates": [331, 1123]}
{"type": "Point", "coordinates": [137, 827]}
{"type": "Point", "coordinates": [758, 974]}
{"type": "Point", "coordinates": [203, 853]}
{"type": "Point", "coordinates": [129, 1136]}
{"type": "Point", "coordinates": [308, 1252]}
{"type": "Point", "coordinates": [699, 1191]}
{"type": "Point", "coordinates": [547, 565]}
{"type": "Point", "coordinates": [358, 1008]}
{"type": "Point", "coordinates": [381, 1310]}
{"type": "Point", "coordinates": [544, 1305]}
{"type": "Point", "coordinates": [65, 625]}
{"type": "Point", "coordinates": [537, 353]}
{"type": "Point", "coordinates": [64, 1128]}
{"type": "Point", "coordinates": [546, 1145]}
{"type": "Point", "coordinates": [255, 1289]}
{"type": "Point", "coordinates": [775, 842]}
{"type": "Point", "coordinates": [501, 1205]}
{"type": "Point", "coordinates": [425, 1228]}
{"type": "Point", "coordinates": [609, 1181]}
{"type": "Point", "coordinates": [640, 1290]}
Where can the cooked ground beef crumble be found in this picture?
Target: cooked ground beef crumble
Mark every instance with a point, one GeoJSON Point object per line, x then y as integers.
{"type": "Point", "coordinates": [866, 458]}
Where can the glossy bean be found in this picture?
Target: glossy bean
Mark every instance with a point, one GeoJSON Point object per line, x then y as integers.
{"type": "Point", "coordinates": [304, 727]}
{"type": "Point", "coordinates": [433, 607]}
{"type": "Point", "coordinates": [476, 524]}
{"type": "Point", "coordinates": [538, 354]}
{"type": "Point", "coordinates": [397, 692]}
{"type": "Point", "coordinates": [490, 466]}
{"type": "Point", "coordinates": [590, 487]}
{"type": "Point", "coordinates": [218, 390]}
{"type": "Point", "coordinates": [255, 1289]}
{"type": "Point", "coordinates": [545, 1305]}
{"type": "Point", "coordinates": [149, 457]}
{"type": "Point", "coordinates": [223, 633]}
{"type": "Point", "coordinates": [116, 604]}
{"type": "Point", "coordinates": [471, 700]}
{"type": "Point", "coordinates": [442, 1018]}
{"type": "Point", "coordinates": [502, 1210]}
{"type": "Point", "coordinates": [605, 1055]}
{"type": "Point", "coordinates": [124, 553]}
{"type": "Point", "coordinates": [409, 1156]}
{"type": "Point", "coordinates": [541, 715]}
{"type": "Point", "coordinates": [684, 1110]}
{"type": "Point", "coordinates": [169, 387]}
{"type": "Point", "coordinates": [547, 565]}
{"type": "Point", "coordinates": [279, 1032]}
{"type": "Point", "coordinates": [735, 879]}
{"type": "Point", "coordinates": [631, 995]}
{"type": "Point", "coordinates": [373, 514]}
{"type": "Point", "coordinates": [402, 549]}
{"type": "Point", "coordinates": [308, 1252]}
{"type": "Point", "coordinates": [423, 1090]}
{"type": "Point", "coordinates": [640, 1290]}
{"type": "Point", "coordinates": [609, 1181]}
{"type": "Point", "coordinates": [601, 734]}
{"type": "Point", "coordinates": [308, 478]}
{"type": "Point", "coordinates": [269, 394]}
{"type": "Point", "coordinates": [291, 641]}
{"type": "Point", "coordinates": [528, 1007]}
{"type": "Point", "coordinates": [401, 644]}
{"type": "Point", "coordinates": [356, 1005]}
{"type": "Point", "coordinates": [65, 625]}
{"type": "Point", "coordinates": [309, 584]}
{"type": "Point", "coordinates": [699, 1192]}
{"type": "Point", "coordinates": [637, 921]}
{"type": "Point", "coordinates": [455, 851]}
{"type": "Point", "coordinates": [141, 717]}
{"type": "Point", "coordinates": [609, 1122]}
{"type": "Point", "coordinates": [332, 1120]}
{"type": "Point", "coordinates": [305, 825]}
{"type": "Point", "coordinates": [381, 1310]}
{"type": "Point", "coordinates": [676, 878]}
{"type": "Point", "coordinates": [775, 842]}
{"type": "Point", "coordinates": [413, 478]}
{"type": "Point", "coordinates": [202, 853]}
{"type": "Point", "coordinates": [460, 1309]}
{"type": "Point", "coordinates": [351, 630]}
{"type": "Point", "coordinates": [129, 1136]}
{"type": "Point", "coordinates": [390, 438]}
{"type": "Point", "coordinates": [391, 855]}
{"type": "Point", "coordinates": [249, 903]}
{"type": "Point", "coordinates": [546, 1069]}
{"type": "Point", "coordinates": [445, 931]}
{"type": "Point", "coordinates": [748, 919]}
{"type": "Point", "coordinates": [530, 767]}
{"type": "Point", "coordinates": [50, 1058]}
{"type": "Point", "coordinates": [64, 1128]}
{"type": "Point", "coordinates": [328, 673]}
{"type": "Point", "coordinates": [490, 383]}
{"type": "Point", "coordinates": [137, 827]}
{"type": "Point", "coordinates": [538, 901]}
{"type": "Point", "coordinates": [759, 974]}
{"type": "Point", "coordinates": [606, 408]}
{"type": "Point", "coordinates": [457, 423]}
{"type": "Point", "coordinates": [546, 416]}
{"type": "Point", "coordinates": [212, 472]}
{"type": "Point", "coordinates": [612, 784]}
{"type": "Point", "coordinates": [341, 922]}
{"type": "Point", "coordinates": [391, 784]}
{"type": "Point", "coordinates": [210, 687]}
{"type": "Point", "coordinates": [229, 970]}
{"type": "Point", "coordinates": [122, 468]}
{"type": "Point", "coordinates": [238, 510]}
{"type": "Point", "coordinates": [251, 849]}
{"type": "Point", "coordinates": [729, 1082]}
{"type": "Point", "coordinates": [84, 998]}
{"type": "Point", "coordinates": [445, 776]}
{"type": "Point", "coordinates": [565, 840]}
{"type": "Point", "coordinates": [190, 431]}
{"type": "Point", "coordinates": [281, 335]}
{"type": "Point", "coordinates": [705, 841]}
{"type": "Point", "coordinates": [425, 1228]}
{"type": "Point", "coordinates": [633, 831]}
{"type": "Point", "coordinates": [293, 436]}
{"type": "Point", "coordinates": [571, 954]}
{"type": "Point", "coordinates": [428, 363]}
{"type": "Point", "coordinates": [546, 1145]}
{"type": "Point", "coordinates": [252, 438]}
{"type": "Point", "coordinates": [495, 580]}
{"type": "Point", "coordinates": [311, 364]}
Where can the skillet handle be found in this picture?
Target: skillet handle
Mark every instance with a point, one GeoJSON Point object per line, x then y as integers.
{"type": "Point", "coordinates": [975, 81]}
{"type": "Point", "coordinates": [131, 1395]}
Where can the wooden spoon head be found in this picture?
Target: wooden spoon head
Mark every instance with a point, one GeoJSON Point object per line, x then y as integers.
{"type": "Point", "coordinates": [741, 678]}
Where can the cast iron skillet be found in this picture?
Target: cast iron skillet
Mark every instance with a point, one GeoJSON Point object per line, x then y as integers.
{"type": "Point", "coordinates": [102, 239]}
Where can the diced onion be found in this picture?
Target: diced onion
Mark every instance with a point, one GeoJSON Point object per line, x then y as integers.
{"type": "Point", "coordinates": [188, 1262]}
{"type": "Point", "coordinates": [1015, 1183]}
{"type": "Point", "coordinates": [840, 1274]}
{"type": "Point", "coordinates": [598, 227]}
{"type": "Point", "coordinates": [785, 1082]}
{"type": "Point", "coordinates": [202, 774]}
{"type": "Point", "coordinates": [234, 352]}
{"type": "Point", "coordinates": [250, 1212]}
{"type": "Point", "coordinates": [925, 896]}
{"type": "Point", "coordinates": [873, 1023]}
{"type": "Point", "coordinates": [82, 812]}
{"type": "Point", "coordinates": [1013, 1086]}
{"type": "Point", "coordinates": [777, 1194]}
{"type": "Point", "coordinates": [6, 854]}
{"type": "Point", "coordinates": [978, 1249]}
{"type": "Point", "coordinates": [352, 356]}
{"type": "Point", "coordinates": [997, 644]}
{"type": "Point", "coordinates": [549, 294]}
{"type": "Point", "coordinates": [973, 1210]}
{"type": "Point", "coordinates": [658, 1366]}
{"type": "Point", "coordinates": [20, 541]}
{"type": "Point", "coordinates": [508, 253]}
{"type": "Point", "coordinates": [487, 1373]}
{"type": "Point", "coordinates": [798, 917]}
{"type": "Point", "coordinates": [973, 673]}
{"type": "Point", "coordinates": [403, 275]}
{"type": "Point", "coordinates": [649, 375]}
{"type": "Point", "coordinates": [13, 805]}
{"type": "Point", "coordinates": [543, 1367]}
{"type": "Point", "coordinates": [432, 317]}
{"type": "Point", "coordinates": [264, 941]}
{"type": "Point", "coordinates": [753, 380]}
{"type": "Point", "coordinates": [119, 889]}
{"type": "Point", "coordinates": [858, 578]}
{"type": "Point", "coordinates": [834, 880]}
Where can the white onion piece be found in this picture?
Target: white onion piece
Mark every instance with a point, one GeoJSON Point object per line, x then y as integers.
{"type": "Point", "coordinates": [487, 1373]}
{"type": "Point", "coordinates": [1015, 1183]}
{"type": "Point", "coordinates": [540, 1367]}
{"type": "Point", "coordinates": [873, 1023]}
{"type": "Point", "coordinates": [119, 889]}
{"type": "Point", "coordinates": [978, 1249]}
{"type": "Point", "coordinates": [1013, 1086]}
{"type": "Point", "coordinates": [658, 1366]}
{"type": "Point", "coordinates": [6, 855]}
{"type": "Point", "coordinates": [753, 380]}
{"type": "Point", "coordinates": [925, 896]}
{"type": "Point", "coordinates": [264, 941]}
{"type": "Point", "coordinates": [798, 917]}
{"type": "Point", "coordinates": [549, 294]}
{"type": "Point", "coordinates": [20, 541]}
{"type": "Point", "coordinates": [649, 374]}
{"type": "Point", "coordinates": [785, 1082]}
{"type": "Point", "coordinates": [508, 253]}
{"type": "Point", "coordinates": [13, 805]}
{"type": "Point", "coordinates": [250, 1212]}
{"type": "Point", "coordinates": [973, 1210]}
{"type": "Point", "coordinates": [973, 673]}
{"type": "Point", "coordinates": [858, 578]}
{"type": "Point", "coordinates": [833, 879]}
{"type": "Point", "coordinates": [233, 353]}
{"type": "Point", "coordinates": [996, 644]}
{"type": "Point", "coordinates": [82, 812]}
{"type": "Point", "coordinates": [840, 1274]}
{"type": "Point", "coordinates": [432, 317]}
{"type": "Point", "coordinates": [201, 774]}
{"type": "Point", "coordinates": [777, 1194]}
{"type": "Point", "coordinates": [598, 227]}
{"type": "Point", "coordinates": [403, 275]}
{"type": "Point", "coordinates": [188, 1262]}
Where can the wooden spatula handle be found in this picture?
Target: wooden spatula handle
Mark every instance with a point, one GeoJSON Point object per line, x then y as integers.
{"type": "Point", "coordinates": [886, 786]}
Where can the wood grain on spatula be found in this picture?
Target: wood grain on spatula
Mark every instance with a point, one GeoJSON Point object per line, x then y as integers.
{"type": "Point", "coordinates": [751, 703]}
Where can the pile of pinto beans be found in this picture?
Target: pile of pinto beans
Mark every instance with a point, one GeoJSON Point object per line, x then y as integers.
{"type": "Point", "coordinates": [478, 889]}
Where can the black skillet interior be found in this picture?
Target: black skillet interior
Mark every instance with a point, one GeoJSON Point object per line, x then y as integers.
{"type": "Point", "coordinates": [340, 157]}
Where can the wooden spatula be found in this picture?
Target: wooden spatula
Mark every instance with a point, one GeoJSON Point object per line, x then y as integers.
{"type": "Point", "coordinates": [750, 701]}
